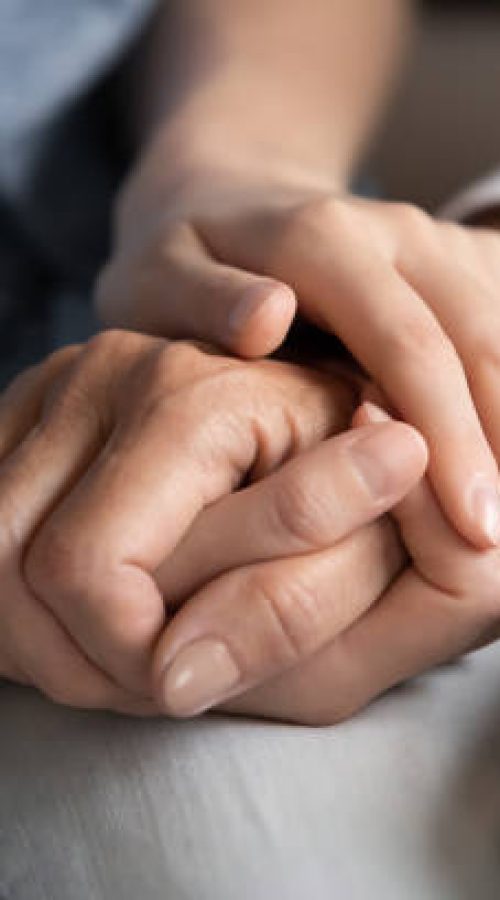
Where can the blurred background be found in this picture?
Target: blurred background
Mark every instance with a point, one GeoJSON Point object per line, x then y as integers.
{"type": "Point", "coordinates": [444, 128]}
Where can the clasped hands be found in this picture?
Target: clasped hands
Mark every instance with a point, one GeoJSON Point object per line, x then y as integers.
{"type": "Point", "coordinates": [183, 531]}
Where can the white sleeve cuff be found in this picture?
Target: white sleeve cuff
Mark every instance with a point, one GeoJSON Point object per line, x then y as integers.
{"type": "Point", "coordinates": [481, 196]}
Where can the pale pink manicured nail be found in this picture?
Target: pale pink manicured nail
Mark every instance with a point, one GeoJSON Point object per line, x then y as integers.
{"type": "Point", "coordinates": [485, 504]}
{"type": "Point", "coordinates": [199, 677]}
{"type": "Point", "coordinates": [268, 293]}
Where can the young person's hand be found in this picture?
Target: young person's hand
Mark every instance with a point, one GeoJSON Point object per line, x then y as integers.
{"type": "Point", "coordinates": [440, 603]}
{"type": "Point", "coordinates": [226, 249]}
{"type": "Point", "coordinates": [109, 453]}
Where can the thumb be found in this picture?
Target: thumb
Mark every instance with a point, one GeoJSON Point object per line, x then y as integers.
{"type": "Point", "coordinates": [177, 290]}
{"type": "Point", "coordinates": [255, 621]}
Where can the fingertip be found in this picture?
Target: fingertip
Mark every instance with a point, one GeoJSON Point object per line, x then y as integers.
{"type": "Point", "coordinates": [484, 505]}
{"type": "Point", "coordinates": [202, 674]}
{"type": "Point", "coordinates": [481, 524]}
{"type": "Point", "coordinates": [261, 318]}
{"type": "Point", "coordinates": [390, 458]}
{"type": "Point", "coordinates": [420, 448]}
{"type": "Point", "coordinates": [369, 413]}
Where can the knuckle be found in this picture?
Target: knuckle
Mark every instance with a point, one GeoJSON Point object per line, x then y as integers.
{"type": "Point", "coordinates": [105, 344]}
{"type": "Point", "coordinates": [169, 243]}
{"type": "Point", "coordinates": [316, 214]}
{"type": "Point", "coordinates": [233, 383]}
{"type": "Point", "coordinates": [54, 564]}
{"type": "Point", "coordinates": [412, 216]}
{"type": "Point", "coordinates": [300, 513]}
{"type": "Point", "coordinates": [24, 380]}
{"type": "Point", "coordinates": [485, 344]}
{"type": "Point", "coordinates": [454, 236]}
{"type": "Point", "coordinates": [420, 342]}
{"type": "Point", "coordinates": [47, 374]}
{"type": "Point", "coordinates": [198, 378]}
{"type": "Point", "coordinates": [292, 605]}
{"type": "Point", "coordinates": [61, 359]}
{"type": "Point", "coordinates": [106, 374]}
{"type": "Point", "coordinates": [67, 404]}
{"type": "Point", "coordinates": [173, 365]}
{"type": "Point", "coordinates": [55, 364]}
{"type": "Point", "coordinates": [76, 393]}
{"type": "Point", "coordinates": [60, 564]}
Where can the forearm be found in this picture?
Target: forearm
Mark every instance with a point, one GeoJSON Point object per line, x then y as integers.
{"type": "Point", "coordinates": [301, 82]}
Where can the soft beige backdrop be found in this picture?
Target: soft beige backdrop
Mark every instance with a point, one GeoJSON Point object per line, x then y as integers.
{"type": "Point", "coordinates": [444, 128]}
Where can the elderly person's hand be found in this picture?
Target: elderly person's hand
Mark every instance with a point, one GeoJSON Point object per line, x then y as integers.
{"type": "Point", "coordinates": [444, 602]}
{"type": "Point", "coordinates": [109, 455]}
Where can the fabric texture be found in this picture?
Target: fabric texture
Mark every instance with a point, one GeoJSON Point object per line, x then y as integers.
{"type": "Point", "coordinates": [401, 803]}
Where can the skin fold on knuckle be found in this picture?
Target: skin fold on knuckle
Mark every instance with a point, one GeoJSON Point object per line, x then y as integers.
{"type": "Point", "coordinates": [82, 396]}
{"type": "Point", "coordinates": [292, 610]}
{"type": "Point", "coordinates": [52, 566]}
{"type": "Point", "coordinates": [168, 367]}
{"type": "Point", "coordinates": [415, 221]}
{"type": "Point", "coordinates": [302, 511]}
{"type": "Point", "coordinates": [237, 423]}
{"type": "Point", "coordinates": [107, 610]}
{"type": "Point", "coordinates": [291, 409]}
{"type": "Point", "coordinates": [319, 401]}
{"type": "Point", "coordinates": [484, 354]}
{"type": "Point", "coordinates": [307, 222]}
{"type": "Point", "coordinates": [319, 213]}
{"type": "Point", "coordinates": [419, 345]}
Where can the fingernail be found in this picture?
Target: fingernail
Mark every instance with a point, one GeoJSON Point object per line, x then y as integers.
{"type": "Point", "coordinates": [386, 457]}
{"type": "Point", "coordinates": [374, 412]}
{"type": "Point", "coordinates": [199, 677]}
{"type": "Point", "coordinates": [486, 509]}
{"type": "Point", "coordinates": [274, 296]}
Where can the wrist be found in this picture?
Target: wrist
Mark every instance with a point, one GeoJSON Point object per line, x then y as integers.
{"type": "Point", "coordinates": [194, 160]}
{"type": "Point", "coordinates": [218, 132]}
{"type": "Point", "coordinates": [190, 163]}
